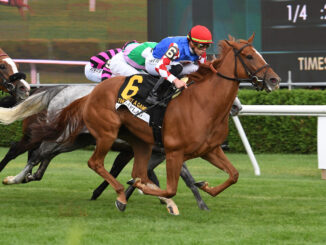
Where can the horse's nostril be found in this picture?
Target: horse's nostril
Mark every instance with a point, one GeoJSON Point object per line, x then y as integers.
{"type": "Point", "coordinates": [273, 80]}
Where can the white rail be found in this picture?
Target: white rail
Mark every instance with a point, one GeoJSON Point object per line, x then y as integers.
{"type": "Point", "coordinates": [32, 63]}
{"type": "Point", "coordinates": [287, 110]}
{"type": "Point", "coordinates": [33, 72]}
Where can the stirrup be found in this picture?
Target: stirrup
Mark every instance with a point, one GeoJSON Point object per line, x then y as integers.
{"type": "Point", "coordinates": [152, 99]}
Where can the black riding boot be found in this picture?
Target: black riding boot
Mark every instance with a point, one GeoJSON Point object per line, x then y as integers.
{"type": "Point", "coordinates": [153, 95]}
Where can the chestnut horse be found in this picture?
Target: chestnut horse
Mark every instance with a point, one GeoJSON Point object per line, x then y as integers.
{"type": "Point", "coordinates": [17, 3]}
{"type": "Point", "coordinates": [11, 80]}
{"type": "Point", "coordinates": [195, 122]}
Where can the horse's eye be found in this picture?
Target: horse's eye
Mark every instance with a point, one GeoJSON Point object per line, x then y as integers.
{"type": "Point", "coordinates": [2, 66]}
{"type": "Point", "coordinates": [249, 57]}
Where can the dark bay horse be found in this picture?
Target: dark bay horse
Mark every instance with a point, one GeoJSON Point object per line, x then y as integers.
{"type": "Point", "coordinates": [195, 123]}
{"type": "Point", "coordinates": [11, 80]}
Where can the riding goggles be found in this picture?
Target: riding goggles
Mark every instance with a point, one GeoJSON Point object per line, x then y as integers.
{"type": "Point", "coordinates": [202, 45]}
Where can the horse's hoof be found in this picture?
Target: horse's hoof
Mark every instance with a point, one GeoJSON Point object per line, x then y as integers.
{"type": "Point", "coordinates": [173, 210]}
{"type": "Point", "coordinates": [131, 182]}
{"type": "Point", "coordinates": [200, 184]}
{"type": "Point", "coordinates": [120, 205]}
{"type": "Point", "coordinates": [203, 206]}
{"type": "Point", "coordinates": [8, 180]}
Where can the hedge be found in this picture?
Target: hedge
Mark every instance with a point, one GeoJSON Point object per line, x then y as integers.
{"type": "Point", "coordinates": [26, 49]}
{"type": "Point", "coordinates": [278, 134]}
{"type": "Point", "coordinates": [266, 134]}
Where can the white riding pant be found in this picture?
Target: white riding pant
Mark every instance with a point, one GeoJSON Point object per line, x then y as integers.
{"type": "Point", "coordinates": [93, 74]}
{"type": "Point", "coordinates": [151, 62]}
{"type": "Point", "coordinates": [119, 66]}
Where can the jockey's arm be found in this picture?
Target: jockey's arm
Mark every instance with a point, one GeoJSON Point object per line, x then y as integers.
{"type": "Point", "coordinates": [171, 54]}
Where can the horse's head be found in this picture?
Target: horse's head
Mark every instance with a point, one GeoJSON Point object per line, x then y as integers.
{"type": "Point", "coordinates": [250, 66]}
{"type": "Point", "coordinates": [11, 80]}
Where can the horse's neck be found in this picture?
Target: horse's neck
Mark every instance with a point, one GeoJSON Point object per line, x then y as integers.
{"type": "Point", "coordinates": [216, 96]}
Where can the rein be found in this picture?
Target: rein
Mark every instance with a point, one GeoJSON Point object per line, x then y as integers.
{"type": "Point", "coordinates": [252, 78]}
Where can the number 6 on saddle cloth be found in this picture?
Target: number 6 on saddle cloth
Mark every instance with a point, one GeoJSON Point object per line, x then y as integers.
{"type": "Point", "coordinates": [133, 94]}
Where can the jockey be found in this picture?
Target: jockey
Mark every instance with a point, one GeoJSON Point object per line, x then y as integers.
{"type": "Point", "coordinates": [181, 54]}
{"type": "Point", "coordinates": [97, 69]}
{"type": "Point", "coordinates": [132, 59]}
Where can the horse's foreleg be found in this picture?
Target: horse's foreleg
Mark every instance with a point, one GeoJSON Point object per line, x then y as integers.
{"type": "Point", "coordinates": [142, 154]}
{"type": "Point", "coordinates": [156, 159]}
{"type": "Point", "coordinates": [96, 162]}
{"type": "Point", "coordinates": [190, 182]}
{"type": "Point", "coordinates": [173, 167]}
{"type": "Point", "coordinates": [15, 150]}
{"type": "Point", "coordinates": [218, 159]}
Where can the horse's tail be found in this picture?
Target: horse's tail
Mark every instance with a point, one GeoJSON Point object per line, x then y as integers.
{"type": "Point", "coordinates": [32, 105]}
{"type": "Point", "coordinates": [64, 127]}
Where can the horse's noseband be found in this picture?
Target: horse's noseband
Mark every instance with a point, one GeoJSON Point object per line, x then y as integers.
{"type": "Point", "coordinates": [9, 83]}
{"type": "Point", "coordinates": [17, 76]}
{"type": "Point", "coordinates": [259, 83]}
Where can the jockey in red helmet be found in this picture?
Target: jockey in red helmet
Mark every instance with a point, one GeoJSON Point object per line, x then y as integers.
{"type": "Point", "coordinates": [180, 55]}
{"type": "Point", "coordinates": [200, 35]}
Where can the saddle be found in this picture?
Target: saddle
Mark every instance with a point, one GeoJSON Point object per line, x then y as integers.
{"type": "Point", "coordinates": [133, 94]}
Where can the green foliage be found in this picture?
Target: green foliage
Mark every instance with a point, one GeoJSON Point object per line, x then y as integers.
{"type": "Point", "coordinates": [75, 50]}
{"type": "Point", "coordinates": [26, 49]}
{"type": "Point", "coordinates": [10, 133]}
{"type": "Point", "coordinates": [278, 133]}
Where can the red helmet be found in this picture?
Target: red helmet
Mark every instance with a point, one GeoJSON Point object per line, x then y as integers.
{"type": "Point", "coordinates": [200, 34]}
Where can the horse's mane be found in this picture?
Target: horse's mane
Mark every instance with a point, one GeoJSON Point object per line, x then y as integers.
{"type": "Point", "coordinates": [204, 70]}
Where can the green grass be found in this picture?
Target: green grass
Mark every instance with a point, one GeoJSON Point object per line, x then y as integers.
{"type": "Point", "coordinates": [285, 205]}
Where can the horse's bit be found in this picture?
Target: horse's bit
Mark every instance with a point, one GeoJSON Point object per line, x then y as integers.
{"type": "Point", "coordinates": [252, 78]}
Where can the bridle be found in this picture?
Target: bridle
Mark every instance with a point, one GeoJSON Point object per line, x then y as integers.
{"type": "Point", "coordinates": [258, 83]}
{"type": "Point", "coordinates": [9, 83]}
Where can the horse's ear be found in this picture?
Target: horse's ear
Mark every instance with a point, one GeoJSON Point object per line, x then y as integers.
{"type": "Point", "coordinates": [251, 38]}
{"type": "Point", "coordinates": [231, 38]}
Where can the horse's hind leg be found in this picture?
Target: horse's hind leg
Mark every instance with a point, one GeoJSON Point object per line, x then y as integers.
{"type": "Point", "coordinates": [38, 175]}
{"type": "Point", "coordinates": [218, 159]}
{"type": "Point", "coordinates": [119, 163]}
{"type": "Point", "coordinates": [190, 182]}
